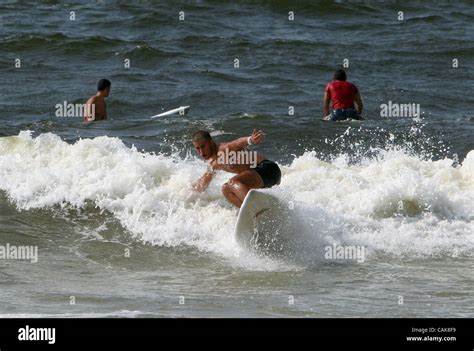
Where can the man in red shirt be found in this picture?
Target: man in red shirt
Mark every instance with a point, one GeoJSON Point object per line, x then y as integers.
{"type": "Point", "coordinates": [343, 95]}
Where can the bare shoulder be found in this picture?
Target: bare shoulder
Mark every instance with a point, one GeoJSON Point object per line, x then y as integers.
{"type": "Point", "coordinates": [222, 146]}
{"type": "Point", "coordinates": [92, 100]}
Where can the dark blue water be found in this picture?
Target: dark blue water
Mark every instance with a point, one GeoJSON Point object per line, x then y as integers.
{"type": "Point", "coordinates": [282, 63]}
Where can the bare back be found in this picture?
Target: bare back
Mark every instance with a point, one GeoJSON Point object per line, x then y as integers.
{"type": "Point", "coordinates": [99, 109]}
{"type": "Point", "coordinates": [235, 161]}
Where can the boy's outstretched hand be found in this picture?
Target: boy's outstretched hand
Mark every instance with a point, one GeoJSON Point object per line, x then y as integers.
{"type": "Point", "coordinates": [257, 136]}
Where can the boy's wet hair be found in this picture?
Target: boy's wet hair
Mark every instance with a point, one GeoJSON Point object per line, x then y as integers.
{"type": "Point", "coordinates": [201, 135]}
{"type": "Point", "coordinates": [103, 84]}
{"type": "Point", "coordinates": [340, 75]}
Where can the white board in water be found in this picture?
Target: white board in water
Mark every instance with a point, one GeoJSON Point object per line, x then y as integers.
{"type": "Point", "coordinates": [182, 110]}
{"type": "Point", "coordinates": [260, 219]}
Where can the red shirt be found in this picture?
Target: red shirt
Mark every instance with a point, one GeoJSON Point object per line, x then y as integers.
{"type": "Point", "coordinates": [341, 93]}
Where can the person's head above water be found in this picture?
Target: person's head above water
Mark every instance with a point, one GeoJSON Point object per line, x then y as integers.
{"type": "Point", "coordinates": [340, 74]}
{"type": "Point", "coordinates": [204, 144]}
{"type": "Point", "coordinates": [104, 87]}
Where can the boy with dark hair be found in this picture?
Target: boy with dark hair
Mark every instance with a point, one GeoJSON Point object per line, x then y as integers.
{"type": "Point", "coordinates": [95, 106]}
{"type": "Point", "coordinates": [343, 96]}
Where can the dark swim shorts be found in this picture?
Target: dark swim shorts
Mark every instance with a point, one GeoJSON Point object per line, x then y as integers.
{"type": "Point", "coordinates": [270, 173]}
{"type": "Point", "coordinates": [341, 114]}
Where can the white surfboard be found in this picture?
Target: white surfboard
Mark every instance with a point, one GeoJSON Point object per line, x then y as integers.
{"type": "Point", "coordinates": [262, 223]}
{"type": "Point", "coordinates": [182, 110]}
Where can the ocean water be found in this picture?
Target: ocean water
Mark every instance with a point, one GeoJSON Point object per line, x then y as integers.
{"type": "Point", "coordinates": [119, 231]}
